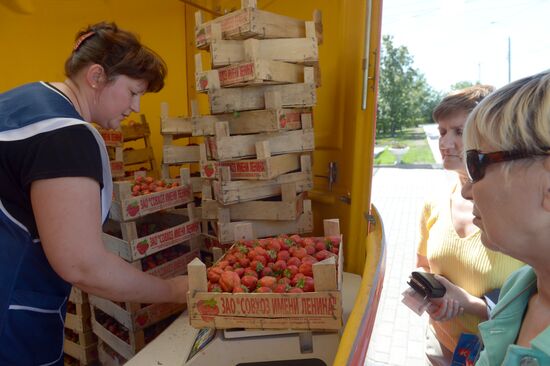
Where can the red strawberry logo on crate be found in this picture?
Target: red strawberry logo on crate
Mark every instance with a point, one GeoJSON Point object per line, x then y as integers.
{"type": "Point", "coordinates": [283, 120]}
{"type": "Point", "coordinates": [142, 319]}
{"type": "Point", "coordinates": [208, 309]}
{"type": "Point", "coordinates": [203, 82]}
{"type": "Point", "coordinates": [142, 247]}
{"type": "Point", "coordinates": [209, 170]}
{"type": "Point", "coordinates": [132, 208]}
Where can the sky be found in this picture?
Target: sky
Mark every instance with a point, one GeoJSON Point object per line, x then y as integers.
{"type": "Point", "coordinates": [468, 40]}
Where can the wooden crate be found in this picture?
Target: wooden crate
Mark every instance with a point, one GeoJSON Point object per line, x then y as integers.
{"type": "Point", "coordinates": [136, 340]}
{"type": "Point", "coordinates": [134, 131]}
{"type": "Point", "coordinates": [79, 322]}
{"type": "Point", "coordinates": [319, 310]}
{"type": "Point", "coordinates": [247, 73]}
{"type": "Point", "coordinates": [85, 350]}
{"type": "Point", "coordinates": [224, 147]}
{"type": "Point", "coordinates": [289, 207]}
{"type": "Point", "coordinates": [112, 138]}
{"type": "Point", "coordinates": [127, 207]}
{"type": "Point", "coordinates": [246, 122]}
{"type": "Point", "coordinates": [131, 246]}
{"type": "Point", "coordinates": [133, 316]}
{"type": "Point", "coordinates": [177, 266]}
{"type": "Point", "coordinates": [226, 100]}
{"type": "Point", "coordinates": [78, 296]}
{"type": "Point", "coordinates": [227, 231]}
{"type": "Point", "coordinates": [255, 169]}
{"type": "Point", "coordinates": [172, 154]}
{"type": "Point", "coordinates": [250, 22]}
{"type": "Point", "coordinates": [108, 356]}
{"type": "Point", "coordinates": [231, 192]}
{"type": "Point", "coordinates": [303, 51]}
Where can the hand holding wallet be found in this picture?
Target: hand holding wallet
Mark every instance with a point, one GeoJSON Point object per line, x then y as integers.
{"type": "Point", "coordinates": [426, 285]}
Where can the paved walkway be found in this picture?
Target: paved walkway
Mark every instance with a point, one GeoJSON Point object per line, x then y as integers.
{"type": "Point", "coordinates": [398, 194]}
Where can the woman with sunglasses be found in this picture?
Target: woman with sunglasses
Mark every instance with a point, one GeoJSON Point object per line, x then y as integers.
{"type": "Point", "coordinates": [56, 188]}
{"type": "Point", "coordinates": [450, 243]}
{"type": "Point", "coordinates": [507, 139]}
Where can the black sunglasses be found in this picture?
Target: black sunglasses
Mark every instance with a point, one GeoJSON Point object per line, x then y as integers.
{"type": "Point", "coordinates": [477, 162]}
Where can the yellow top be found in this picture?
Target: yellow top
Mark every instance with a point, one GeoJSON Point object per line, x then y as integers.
{"type": "Point", "coordinates": [463, 261]}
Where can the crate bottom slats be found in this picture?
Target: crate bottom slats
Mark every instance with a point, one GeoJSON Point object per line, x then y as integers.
{"type": "Point", "coordinates": [86, 354]}
{"type": "Point", "coordinates": [279, 210]}
{"type": "Point", "coordinates": [223, 147]}
{"type": "Point", "coordinates": [79, 322]}
{"type": "Point", "coordinates": [246, 122]}
{"type": "Point", "coordinates": [252, 98]}
{"type": "Point", "coordinates": [230, 231]}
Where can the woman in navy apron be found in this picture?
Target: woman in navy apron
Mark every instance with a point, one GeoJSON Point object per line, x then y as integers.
{"type": "Point", "coordinates": [55, 192]}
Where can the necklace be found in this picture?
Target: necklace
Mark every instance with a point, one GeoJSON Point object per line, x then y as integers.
{"type": "Point", "coordinates": [73, 98]}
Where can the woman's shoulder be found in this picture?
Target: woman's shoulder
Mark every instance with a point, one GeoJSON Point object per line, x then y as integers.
{"type": "Point", "coordinates": [518, 281]}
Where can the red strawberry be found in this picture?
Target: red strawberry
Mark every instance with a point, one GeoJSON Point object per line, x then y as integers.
{"type": "Point", "coordinates": [209, 170]}
{"type": "Point", "coordinates": [142, 319]}
{"type": "Point", "coordinates": [250, 282]}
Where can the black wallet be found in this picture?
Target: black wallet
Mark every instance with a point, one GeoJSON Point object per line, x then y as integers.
{"type": "Point", "coordinates": [425, 284]}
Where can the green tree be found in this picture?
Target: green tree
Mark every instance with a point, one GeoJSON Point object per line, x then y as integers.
{"type": "Point", "coordinates": [405, 99]}
{"type": "Point", "coordinates": [462, 85]}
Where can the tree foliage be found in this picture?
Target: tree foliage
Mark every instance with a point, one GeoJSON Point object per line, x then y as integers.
{"type": "Point", "coordinates": [404, 98]}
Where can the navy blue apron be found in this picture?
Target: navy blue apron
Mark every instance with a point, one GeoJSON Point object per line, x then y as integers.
{"type": "Point", "coordinates": [33, 298]}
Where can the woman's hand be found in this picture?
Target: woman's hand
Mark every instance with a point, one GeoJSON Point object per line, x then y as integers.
{"type": "Point", "coordinates": [455, 302]}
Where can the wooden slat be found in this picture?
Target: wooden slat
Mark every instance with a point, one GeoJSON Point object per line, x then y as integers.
{"type": "Point", "coordinates": [243, 99]}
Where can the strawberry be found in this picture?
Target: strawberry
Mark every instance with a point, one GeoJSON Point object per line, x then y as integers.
{"type": "Point", "coordinates": [299, 253]}
{"type": "Point", "coordinates": [267, 281]}
{"type": "Point", "coordinates": [263, 289]}
{"type": "Point", "coordinates": [132, 209]}
{"type": "Point", "coordinates": [281, 288]}
{"type": "Point", "coordinates": [294, 261]}
{"type": "Point", "coordinates": [295, 290]}
{"type": "Point", "coordinates": [283, 255]}
{"type": "Point", "coordinates": [249, 282]}
{"type": "Point", "coordinates": [306, 269]}
{"type": "Point", "coordinates": [213, 274]}
{"type": "Point", "coordinates": [290, 271]}
{"type": "Point", "coordinates": [229, 280]}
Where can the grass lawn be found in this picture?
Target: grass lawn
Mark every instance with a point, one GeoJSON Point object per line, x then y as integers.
{"type": "Point", "coordinates": [415, 138]}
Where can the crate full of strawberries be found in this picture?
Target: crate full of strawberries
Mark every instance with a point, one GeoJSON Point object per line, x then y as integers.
{"type": "Point", "coordinates": [287, 282]}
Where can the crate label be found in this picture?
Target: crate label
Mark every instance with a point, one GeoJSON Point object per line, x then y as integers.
{"type": "Point", "coordinates": [174, 267]}
{"type": "Point", "coordinates": [201, 81]}
{"type": "Point", "coordinates": [112, 138]}
{"type": "Point", "coordinates": [314, 304]}
{"type": "Point", "coordinates": [236, 22]}
{"type": "Point", "coordinates": [290, 120]}
{"type": "Point", "coordinates": [164, 239]}
{"type": "Point", "coordinates": [153, 202]}
{"type": "Point", "coordinates": [237, 73]}
{"type": "Point", "coordinates": [239, 169]}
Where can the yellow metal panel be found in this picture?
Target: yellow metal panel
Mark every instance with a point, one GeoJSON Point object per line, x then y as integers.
{"type": "Point", "coordinates": [35, 45]}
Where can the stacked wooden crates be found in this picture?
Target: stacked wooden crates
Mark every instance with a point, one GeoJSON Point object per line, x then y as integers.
{"type": "Point", "coordinates": [138, 151]}
{"type": "Point", "coordinates": [114, 141]}
{"type": "Point", "coordinates": [256, 160]}
{"type": "Point", "coordinates": [80, 343]}
{"type": "Point", "coordinates": [157, 233]}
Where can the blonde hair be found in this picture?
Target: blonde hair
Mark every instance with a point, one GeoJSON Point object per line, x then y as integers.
{"type": "Point", "coordinates": [459, 101]}
{"type": "Point", "coordinates": [515, 117]}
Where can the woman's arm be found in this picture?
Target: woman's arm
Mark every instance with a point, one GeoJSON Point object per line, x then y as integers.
{"type": "Point", "coordinates": [68, 217]}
